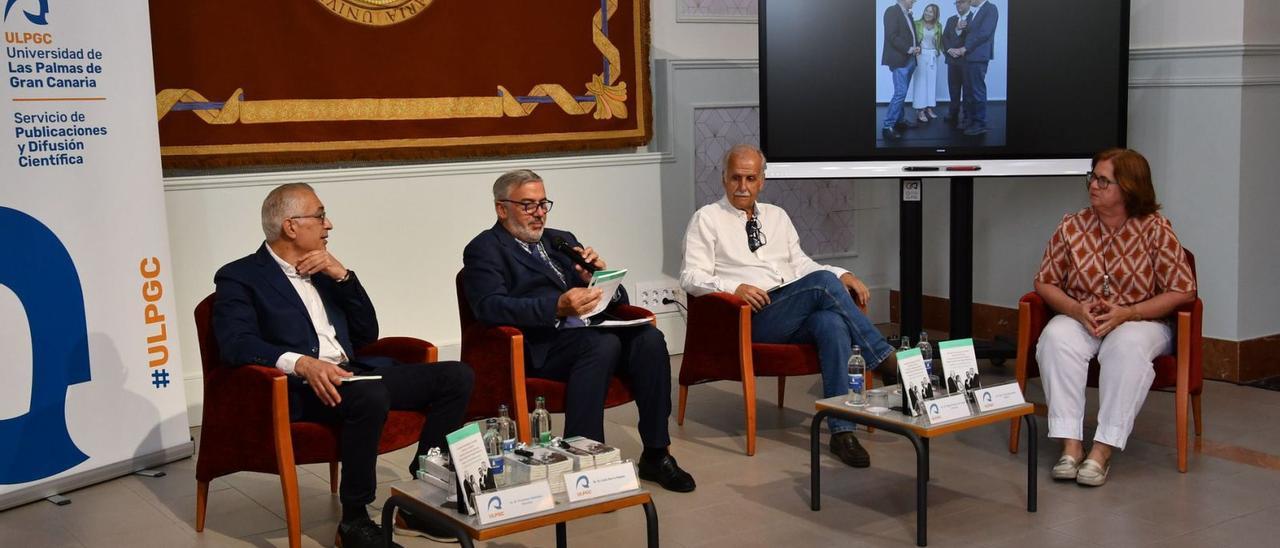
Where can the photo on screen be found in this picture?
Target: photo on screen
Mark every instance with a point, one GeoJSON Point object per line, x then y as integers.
{"type": "Point", "coordinates": [941, 74]}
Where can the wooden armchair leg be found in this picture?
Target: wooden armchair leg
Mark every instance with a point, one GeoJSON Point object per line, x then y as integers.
{"type": "Point", "coordinates": [782, 390]}
{"type": "Point", "coordinates": [1195, 413]}
{"type": "Point", "coordinates": [749, 399]}
{"type": "Point", "coordinates": [684, 399]}
{"type": "Point", "coordinates": [292, 511]}
{"type": "Point", "coordinates": [202, 501]}
{"type": "Point", "coordinates": [1180, 422]}
{"type": "Point", "coordinates": [1015, 429]}
{"type": "Point", "coordinates": [333, 478]}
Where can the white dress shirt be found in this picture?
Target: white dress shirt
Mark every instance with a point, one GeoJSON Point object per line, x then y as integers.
{"type": "Point", "coordinates": [330, 350]}
{"type": "Point", "coordinates": [716, 256]}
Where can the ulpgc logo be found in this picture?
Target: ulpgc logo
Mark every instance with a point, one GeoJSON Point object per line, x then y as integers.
{"type": "Point", "coordinates": [37, 445]}
{"type": "Point", "coordinates": [40, 18]}
{"type": "Point", "coordinates": [583, 483]}
{"type": "Point", "coordinates": [495, 503]}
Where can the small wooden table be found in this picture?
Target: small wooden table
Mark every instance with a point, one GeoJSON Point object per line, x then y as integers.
{"type": "Point", "coordinates": [427, 501]}
{"type": "Point", "coordinates": [919, 431]}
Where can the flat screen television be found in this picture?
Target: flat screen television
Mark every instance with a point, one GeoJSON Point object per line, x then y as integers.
{"type": "Point", "coordinates": [889, 88]}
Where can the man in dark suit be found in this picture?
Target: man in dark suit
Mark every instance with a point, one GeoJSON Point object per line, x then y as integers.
{"type": "Point", "coordinates": [515, 274]}
{"type": "Point", "coordinates": [292, 305]}
{"type": "Point", "coordinates": [901, 45]}
{"type": "Point", "coordinates": [952, 41]}
{"type": "Point", "coordinates": [978, 50]}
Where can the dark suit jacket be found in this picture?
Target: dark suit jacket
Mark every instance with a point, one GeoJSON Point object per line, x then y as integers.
{"type": "Point", "coordinates": [899, 36]}
{"type": "Point", "coordinates": [505, 285]}
{"type": "Point", "coordinates": [979, 37]}
{"type": "Point", "coordinates": [258, 315]}
{"type": "Point", "coordinates": [950, 40]}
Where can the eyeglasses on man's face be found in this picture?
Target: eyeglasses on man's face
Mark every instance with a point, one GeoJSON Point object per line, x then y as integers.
{"type": "Point", "coordinates": [1103, 182]}
{"type": "Point", "coordinates": [321, 216]}
{"type": "Point", "coordinates": [755, 238]}
{"type": "Point", "coordinates": [530, 206]}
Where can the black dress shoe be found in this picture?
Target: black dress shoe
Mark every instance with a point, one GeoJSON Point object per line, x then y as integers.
{"type": "Point", "coordinates": [361, 533]}
{"type": "Point", "coordinates": [846, 447]}
{"type": "Point", "coordinates": [408, 524]}
{"type": "Point", "coordinates": [666, 473]}
{"type": "Point", "coordinates": [975, 130]}
{"type": "Point", "coordinates": [890, 133]}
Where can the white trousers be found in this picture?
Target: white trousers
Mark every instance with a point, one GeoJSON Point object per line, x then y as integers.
{"type": "Point", "coordinates": [1125, 356]}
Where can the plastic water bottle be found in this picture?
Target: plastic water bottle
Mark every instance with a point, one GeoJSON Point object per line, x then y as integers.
{"type": "Point", "coordinates": [926, 354]}
{"type": "Point", "coordinates": [906, 344]}
{"type": "Point", "coordinates": [857, 371]}
{"type": "Point", "coordinates": [493, 446]}
{"type": "Point", "coordinates": [541, 421]}
{"type": "Point", "coordinates": [506, 429]}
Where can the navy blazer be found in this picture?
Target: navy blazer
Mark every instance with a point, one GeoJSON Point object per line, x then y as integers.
{"type": "Point", "coordinates": [950, 40]}
{"type": "Point", "coordinates": [258, 315]}
{"type": "Point", "coordinates": [980, 35]}
{"type": "Point", "coordinates": [506, 285]}
{"type": "Point", "coordinates": [899, 36]}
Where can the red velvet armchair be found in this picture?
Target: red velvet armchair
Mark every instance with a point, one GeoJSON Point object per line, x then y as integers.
{"type": "Point", "coordinates": [718, 347]}
{"type": "Point", "coordinates": [496, 355]}
{"type": "Point", "coordinates": [1181, 370]}
{"type": "Point", "coordinates": [246, 421]}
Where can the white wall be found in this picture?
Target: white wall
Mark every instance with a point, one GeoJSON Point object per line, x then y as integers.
{"type": "Point", "coordinates": [403, 230]}
{"type": "Point", "coordinates": [1164, 23]}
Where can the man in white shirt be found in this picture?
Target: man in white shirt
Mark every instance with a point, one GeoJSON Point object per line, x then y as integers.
{"type": "Point", "coordinates": [741, 246]}
{"type": "Point", "coordinates": [292, 305]}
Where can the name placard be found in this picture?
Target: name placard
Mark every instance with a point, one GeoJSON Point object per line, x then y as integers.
{"type": "Point", "coordinates": [514, 502]}
{"type": "Point", "coordinates": [998, 397]}
{"type": "Point", "coordinates": [601, 481]}
{"type": "Point", "coordinates": [947, 408]}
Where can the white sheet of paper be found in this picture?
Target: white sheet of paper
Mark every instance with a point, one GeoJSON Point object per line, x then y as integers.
{"type": "Point", "coordinates": [947, 408]}
{"type": "Point", "coordinates": [601, 481]}
{"type": "Point", "coordinates": [514, 502]}
{"type": "Point", "coordinates": [621, 323]}
{"type": "Point", "coordinates": [998, 397]}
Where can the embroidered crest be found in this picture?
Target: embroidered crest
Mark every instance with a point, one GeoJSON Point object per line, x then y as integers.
{"type": "Point", "coordinates": [376, 13]}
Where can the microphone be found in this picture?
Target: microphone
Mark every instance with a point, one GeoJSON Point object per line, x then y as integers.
{"type": "Point", "coordinates": [562, 246]}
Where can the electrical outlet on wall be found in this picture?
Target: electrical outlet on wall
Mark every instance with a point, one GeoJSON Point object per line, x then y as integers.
{"type": "Point", "coordinates": [649, 295]}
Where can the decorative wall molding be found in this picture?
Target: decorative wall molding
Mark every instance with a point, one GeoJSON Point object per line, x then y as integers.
{"type": "Point", "coordinates": [388, 173]}
{"type": "Point", "coordinates": [1210, 66]}
{"type": "Point", "coordinates": [717, 11]}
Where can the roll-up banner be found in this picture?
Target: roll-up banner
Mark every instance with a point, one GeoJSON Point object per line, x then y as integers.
{"type": "Point", "coordinates": [92, 384]}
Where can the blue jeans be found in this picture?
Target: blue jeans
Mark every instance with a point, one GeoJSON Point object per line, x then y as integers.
{"type": "Point", "coordinates": [975, 99]}
{"type": "Point", "coordinates": [901, 79]}
{"type": "Point", "coordinates": [817, 309]}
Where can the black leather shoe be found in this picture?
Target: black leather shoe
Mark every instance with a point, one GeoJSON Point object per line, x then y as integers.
{"type": "Point", "coordinates": [361, 533]}
{"type": "Point", "coordinates": [408, 524]}
{"type": "Point", "coordinates": [666, 473]}
{"type": "Point", "coordinates": [890, 133]}
{"type": "Point", "coordinates": [975, 130]}
{"type": "Point", "coordinates": [846, 447]}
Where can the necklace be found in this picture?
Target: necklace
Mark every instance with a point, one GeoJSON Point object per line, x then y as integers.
{"type": "Point", "coordinates": [1102, 253]}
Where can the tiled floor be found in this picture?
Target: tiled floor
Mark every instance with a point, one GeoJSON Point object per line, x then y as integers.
{"type": "Point", "coordinates": [976, 497]}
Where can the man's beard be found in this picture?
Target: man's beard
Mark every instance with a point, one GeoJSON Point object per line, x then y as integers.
{"type": "Point", "coordinates": [526, 234]}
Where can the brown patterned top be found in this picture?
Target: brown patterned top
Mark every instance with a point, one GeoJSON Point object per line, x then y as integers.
{"type": "Point", "coordinates": [1130, 265]}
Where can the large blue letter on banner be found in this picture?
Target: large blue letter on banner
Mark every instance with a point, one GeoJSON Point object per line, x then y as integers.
{"type": "Point", "coordinates": [37, 268]}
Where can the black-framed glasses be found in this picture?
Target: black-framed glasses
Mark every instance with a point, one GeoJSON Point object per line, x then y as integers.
{"type": "Point", "coordinates": [530, 207]}
{"type": "Point", "coordinates": [1103, 182]}
{"type": "Point", "coordinates": [318, 216]}
{"type": "Point", "coordinates": [755, 238]}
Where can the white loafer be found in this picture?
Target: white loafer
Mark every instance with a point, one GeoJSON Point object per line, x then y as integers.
{"type": "Point", "coordinates": [1091, 473]}
{"type": "Point", "coordinates": [1065, 469]}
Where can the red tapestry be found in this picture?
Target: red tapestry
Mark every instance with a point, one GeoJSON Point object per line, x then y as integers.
{"type": "Point", "coordinates": [295, 81]}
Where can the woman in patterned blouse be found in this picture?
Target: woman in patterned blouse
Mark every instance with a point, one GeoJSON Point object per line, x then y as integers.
{"type": "Point", "coordinates": [1113, 272]}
